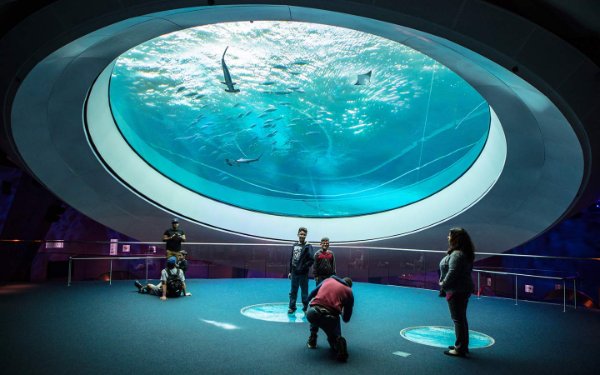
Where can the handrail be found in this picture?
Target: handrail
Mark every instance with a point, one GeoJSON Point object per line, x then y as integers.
{"type": "Point", "coordinates": [516, 275]}
{"type": "Point", "coordinates": [524, 274]}
{"type": "Point", "coordinates": [479, 271]}
{"type": "Point", "coordinates": [333, 245]}
{"type": "Point", "coordinates": [116, 257]}
{"type": "Point", "coordinates": [111, 258]}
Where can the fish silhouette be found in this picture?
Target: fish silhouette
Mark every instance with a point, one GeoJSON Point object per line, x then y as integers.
{"type": "Point", "coordinates": [364, 79]}
{"type": "Point", "coordinates": [227, 76]}
{"type": "Point", "coordinates": [232, 162]}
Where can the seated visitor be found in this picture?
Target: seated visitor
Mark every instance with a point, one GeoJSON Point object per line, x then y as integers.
{"type": "Point", "coordinates": [172, 282]}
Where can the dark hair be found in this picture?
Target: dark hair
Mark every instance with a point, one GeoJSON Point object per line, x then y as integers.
{"type": "Point", "coordinates": [348, 281]}
{"type": "Point", "coordinates": [302, 229]}
{"type": "Point", "coordinates": [460, 240]}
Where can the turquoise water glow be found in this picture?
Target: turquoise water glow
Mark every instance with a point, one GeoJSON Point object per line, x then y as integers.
{"type": "Point", "coordinates": [300, 138]}
{"type": "Point", "coordinates": [275, 312]}
{"type": "Point", "coordinates": [442, 337]}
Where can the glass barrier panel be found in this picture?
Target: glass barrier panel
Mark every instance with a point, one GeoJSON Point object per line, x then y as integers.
{"type": "Point", "coordinates": [41, 261]}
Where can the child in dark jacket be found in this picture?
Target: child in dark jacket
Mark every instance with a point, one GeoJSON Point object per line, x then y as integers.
{"type": "Point", "coordinates": [301, 261]}
{"type": "Point", "coordinates": [324, 265]}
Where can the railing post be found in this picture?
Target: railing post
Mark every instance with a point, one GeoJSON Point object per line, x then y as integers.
{"type": "Point", "coordinates": [574, 293]}
{"type": "Point", "coordinates": [146, 269]}
{"type": "Point", "coordinates": [423, 268]}
{"type": "Point", "coordinates": [564, 296]}
{"type": "Point", "coordinates": [69, 275]}
{"type": "Point", "coordinates": [478, 285]}
{"type": "Point", "coordinates": [110, 274]}
{"type": "Point", "coordinates": [388, 273]}
{"type": "Point", "coordinates": [516, 289]}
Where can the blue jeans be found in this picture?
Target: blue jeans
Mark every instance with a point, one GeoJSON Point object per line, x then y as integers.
{"type": "Point", "coordinates": [302, 282]}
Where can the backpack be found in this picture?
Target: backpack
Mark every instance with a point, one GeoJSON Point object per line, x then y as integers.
{"type": "Point", "coordinates": [174, 283]}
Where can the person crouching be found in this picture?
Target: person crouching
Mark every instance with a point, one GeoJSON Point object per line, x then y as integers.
{"type": "Point", "coordinates": [332, 298]}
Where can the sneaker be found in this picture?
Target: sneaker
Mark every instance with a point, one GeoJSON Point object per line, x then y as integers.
{"type": "Point", "coordinates": [138, 285]}
{"type": "Point", "coordinates": [304, 309]}
{"type": "Point", "coordinates": [291, 311]}
{"type": "Point", "coordinates": [331, 343]}
{"type": "Point", "coordinates": [342, 350]}
{"type": "Point", "coordinates": [312, 341]}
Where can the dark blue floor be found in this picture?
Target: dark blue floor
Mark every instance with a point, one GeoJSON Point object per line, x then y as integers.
{"type": "Point", "coordinates": [94, 328]}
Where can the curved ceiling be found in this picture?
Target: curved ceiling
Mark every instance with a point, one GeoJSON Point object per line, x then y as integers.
{"type": "Point", "coordinates": [545, 166]}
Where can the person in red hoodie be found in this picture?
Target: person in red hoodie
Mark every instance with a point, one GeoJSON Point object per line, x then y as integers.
{"type": "Point", "coordinates": [332, 298]}
{"type": "Point", "coordinates": [324, 265]}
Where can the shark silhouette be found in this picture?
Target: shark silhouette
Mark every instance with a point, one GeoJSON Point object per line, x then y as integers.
{"type": "Point", "coordinates": [363, 79]}
{"type": "Point", "coordinates": [239, 161]}
{"type": "Point", "coordinates": [227, 76]}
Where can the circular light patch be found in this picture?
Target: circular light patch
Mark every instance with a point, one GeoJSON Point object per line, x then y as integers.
{"type": "Point", "coordinates": [274, 312]}
{"type": "Point", "coordinates": [442, 337]}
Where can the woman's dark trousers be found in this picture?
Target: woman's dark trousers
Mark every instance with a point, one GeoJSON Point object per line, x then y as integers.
{"type": "Point", "coordinates": [457, 304]}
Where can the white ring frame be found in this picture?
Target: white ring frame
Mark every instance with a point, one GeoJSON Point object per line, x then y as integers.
{"type": "Point", "coordinates": [535, 126]}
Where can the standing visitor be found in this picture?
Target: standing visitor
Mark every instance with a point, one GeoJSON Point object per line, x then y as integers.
{"type": "Point", "coordinates": [457, 285]}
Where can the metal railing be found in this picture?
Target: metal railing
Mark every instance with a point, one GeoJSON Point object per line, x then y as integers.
{"type": "Point", "coordinates": [110, 258]}
{"type": "Point", "coordinates": [478, 271]}
{"type": "Point", "coordinates": [384, 265]}
{"type": "Point", "coordinates": [516, 275]}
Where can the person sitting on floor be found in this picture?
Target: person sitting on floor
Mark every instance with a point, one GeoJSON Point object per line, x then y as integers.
{"type": "Point", "coordinates": [172, 282]}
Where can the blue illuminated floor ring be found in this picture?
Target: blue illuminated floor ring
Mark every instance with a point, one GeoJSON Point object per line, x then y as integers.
{"type": "Point", "coordinates": [442, 337]}
{"type": "Point", "coordinates": [274, 312]}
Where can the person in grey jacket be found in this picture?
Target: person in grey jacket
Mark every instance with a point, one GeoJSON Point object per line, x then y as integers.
{"type": "Point", "coordinates": [457, 285]}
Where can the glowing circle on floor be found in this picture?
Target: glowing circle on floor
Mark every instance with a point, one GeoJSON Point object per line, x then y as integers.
{"type": "Point", "coordinates": [442, 337]}
{"type": "Point", "coordinates": [274, 312]}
